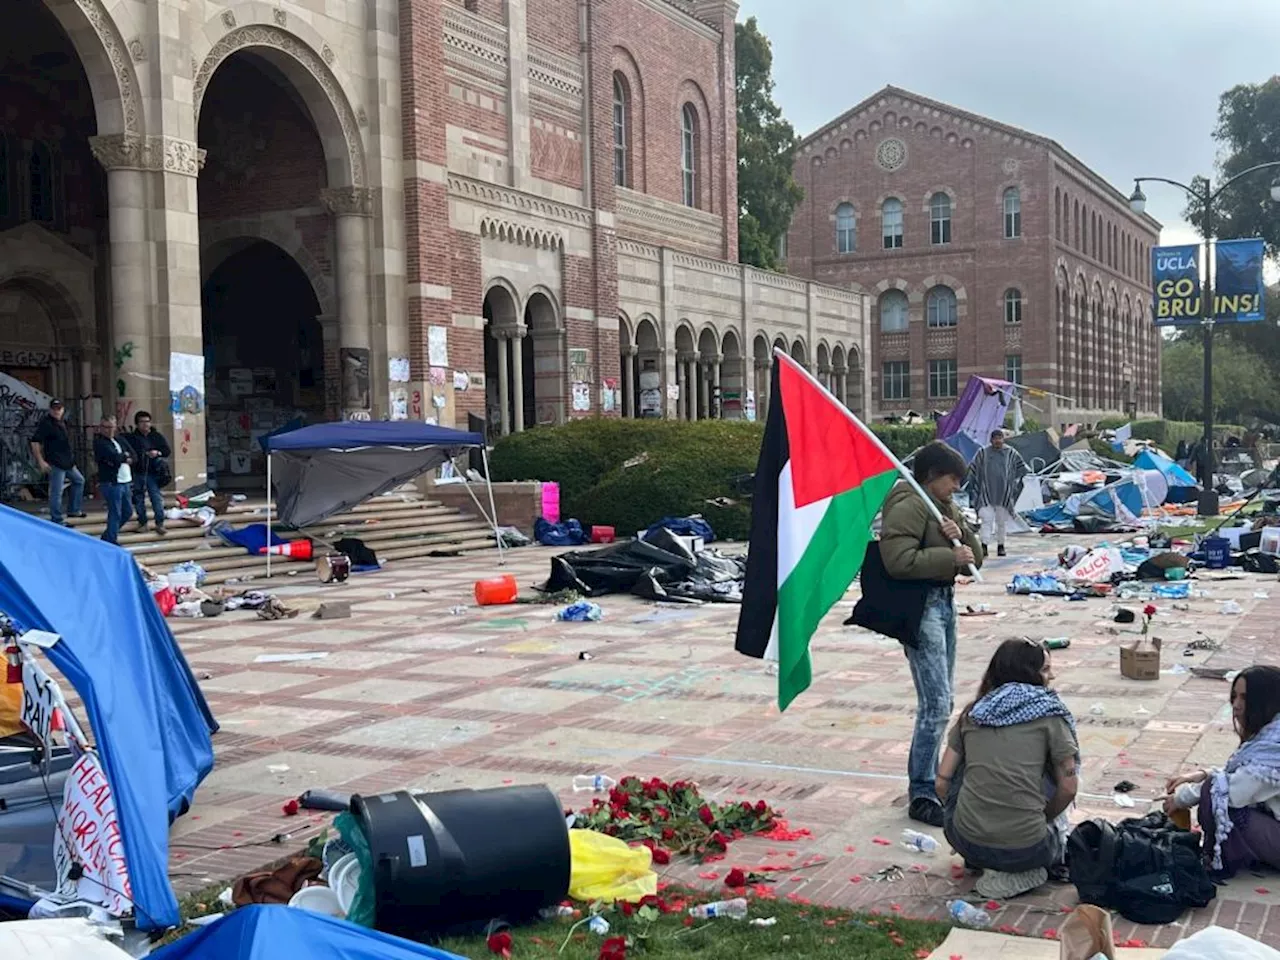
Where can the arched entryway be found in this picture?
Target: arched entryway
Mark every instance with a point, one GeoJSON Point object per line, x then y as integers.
{"type": "Point", "coordinates": [762, 361]}
{"type": "Point", "coordinates": [732, 380]}
{"type": "Point", "coordinates": [265, 356]}
{"type": "Point", "coordinates": [648, 369]}
{"type": "Point", "coordinates": [686, 373]}
{"type": "Point", "coordinates": [543, 356]}
{"type": "Point", "coordinates": [824, 366]}
{"type": "Point", "coordinates": [53, 224]}
{"type": "Point", "coordinates": [799, 354]}
{"type": "Point", "coordinates": [839, 375]}
{"type": "Point", "coordinates": [504, 380]}
{"type": "Point", "coordinates": [709, 360]}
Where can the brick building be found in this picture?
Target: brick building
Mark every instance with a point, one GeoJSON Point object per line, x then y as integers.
{"type": "Point", "coordinates": [985, 250]}
{"type": "Point", "coordinates": [518, 209]}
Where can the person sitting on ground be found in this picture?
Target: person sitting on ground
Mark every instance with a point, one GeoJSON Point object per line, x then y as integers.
{"type": "Point", "coordinates": [1239, 806]}
{"type": "Point", "coordinates": [915, 547]}
{"type": "Point", "coordinates": [1012, 748]}
{"type": "Point", "coordinates": [994, 483]}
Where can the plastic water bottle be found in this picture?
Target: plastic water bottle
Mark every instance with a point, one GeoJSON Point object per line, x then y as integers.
{"type": "Point", "coordinates": [735, 909]}
{"type": "Point", "coordinates": [967, 915]}
{"type": "Point", "coordinates": [558, 912]}
{"type": "Point", "coordinates": [597, 783]}
{"type": "Point", "coordinates": [919, 842]}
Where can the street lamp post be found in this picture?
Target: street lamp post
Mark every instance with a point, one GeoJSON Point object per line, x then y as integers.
{"type": "Point", "coordinates": [1208, 506]}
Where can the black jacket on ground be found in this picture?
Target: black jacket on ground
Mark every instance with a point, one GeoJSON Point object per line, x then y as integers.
{"type": "Point", "coordinates": [108, 459]}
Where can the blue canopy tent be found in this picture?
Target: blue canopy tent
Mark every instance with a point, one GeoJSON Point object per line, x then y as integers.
{"type": "Point", "coordinates": [151, 725]}
{"type": "Point", "coordinates": [326, 468]}
{"type": "Point", "coordinates": [285, 933]}
{"type": "Point", "coordinates": [1179, 480]}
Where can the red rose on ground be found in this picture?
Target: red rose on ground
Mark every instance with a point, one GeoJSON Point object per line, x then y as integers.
{"type": "Point", "coordinates": [705, 815]}
{"type": "Point", "coordinates": [746, 806]}
{"type": "Point", "coordinates": [661, 813]}
{"type": "Point", "coordinates": [626, 908]}
{"type": "Point", "coordinates": [615, 948]}
{"type": "Point", "coordinates": [762, 808]}
{"type": "Point", "coordinates": [1149, 610]}
{"type": "Point", "coordinates": [668, 833]}
{"type": "Point", "coordinates": [500, 943]}
{"type": "Point", "coordinates": [661, 857]}
{"type": "Point", "coordinates": [719, 839]}
{"type": "Point", "coordinates": [291, 808]}
{"type": "Point", "coordinates": [735, 878]}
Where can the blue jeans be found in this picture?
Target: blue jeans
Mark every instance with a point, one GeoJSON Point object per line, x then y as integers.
{"type": "Point", "coordinates": [933, 669]}
{"type": "Point", "coordinates": [115, 496]}
{"type": "Point", "coordinates": [145, 487]}
{"type": "Point", "coordinates": [58, 480]}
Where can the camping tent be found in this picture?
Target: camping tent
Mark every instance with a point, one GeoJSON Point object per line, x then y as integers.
{"type": "Point", "coordinates": [980, 410]}
{"type": "Point", "coordinates": [284, 933]}
{"type": "Point", "coordinates": [326, 468]}
{"type": "Point", "coordinates": [150, 722]}
{"type": "Point", "coordinates": [1176, 476]}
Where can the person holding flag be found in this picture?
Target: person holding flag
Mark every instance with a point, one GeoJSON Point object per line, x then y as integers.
{"type": "Point", "coordinates": [821, 479]}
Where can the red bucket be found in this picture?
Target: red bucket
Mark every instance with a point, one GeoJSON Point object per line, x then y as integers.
{"type": "Point", "coordinates": [603, 535]}
{"type": "Point", "coordinates": [496, 590]}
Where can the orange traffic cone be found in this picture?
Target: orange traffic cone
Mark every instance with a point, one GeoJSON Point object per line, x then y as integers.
{"type": "Point", "coordinates": [296, 549]}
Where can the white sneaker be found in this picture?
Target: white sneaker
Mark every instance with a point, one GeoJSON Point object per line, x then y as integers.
{"type": "Point", "coordinates": [995, 885]}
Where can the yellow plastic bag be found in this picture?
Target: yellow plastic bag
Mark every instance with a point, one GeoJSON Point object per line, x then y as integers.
{"type": "Point", "coordinates": [604, 868]}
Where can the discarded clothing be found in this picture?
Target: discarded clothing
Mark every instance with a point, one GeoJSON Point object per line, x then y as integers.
{"type": "Point", "coordinates": [253, 538]}
{"type": "Point", "coordinates": [566, 534]}
{"type": "Point", "coordinates": [1044, 584]}
{"type": "Point", "coordinates": [362, 557]}
{"type": "Point", "coordinates": [694, 526]}
{"type": "Point", "coordinates": [279, 885]}
{"type": "Point", "coordinates": [580, 612]}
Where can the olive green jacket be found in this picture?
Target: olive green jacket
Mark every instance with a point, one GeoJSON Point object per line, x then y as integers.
{"type": "Point", "coordinates": [911, 542]}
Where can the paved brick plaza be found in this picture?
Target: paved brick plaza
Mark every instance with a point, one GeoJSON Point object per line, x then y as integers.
{"type": "Point", "coordinates": [412, 695]}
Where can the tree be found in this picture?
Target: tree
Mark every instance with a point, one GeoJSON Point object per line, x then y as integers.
{"type": "Point", "coordinates": [1248, 133]}
{"type": "Point", "coordinates": [1244, 386]}
{"type": "Point", "coordinates": [767, 192]}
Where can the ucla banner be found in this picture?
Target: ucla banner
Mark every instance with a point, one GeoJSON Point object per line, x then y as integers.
{"type": "Point", "coordinates": [1237, 281]}
{"type": "Point", "coordinates": [1175, 272]}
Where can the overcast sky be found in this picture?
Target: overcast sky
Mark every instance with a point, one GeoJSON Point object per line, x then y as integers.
{"type": "Point", "coordinates": [1130, 87]}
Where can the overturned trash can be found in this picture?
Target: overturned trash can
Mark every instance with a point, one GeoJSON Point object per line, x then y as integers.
{"type": "Point", "coordinates": [443, 862]}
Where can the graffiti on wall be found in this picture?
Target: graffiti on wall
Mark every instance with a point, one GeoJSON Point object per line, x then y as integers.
{"type": "Point", "coordinates": [123, 352]}
{"type": "Point", "coordinates": [21, 407]}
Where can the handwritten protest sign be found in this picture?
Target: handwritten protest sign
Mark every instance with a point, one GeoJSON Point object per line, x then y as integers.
{"type": "Point", "coordinates": [39, 699]}
{"type": "Point", "coordinates": [89, 835]}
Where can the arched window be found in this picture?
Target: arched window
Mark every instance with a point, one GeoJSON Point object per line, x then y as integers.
{"type": "Point", "coordinates": [689, 154]}
{"type": "Point", "coordinates": [1013, 305]}
{"type": "Point", "coordinates": [1075, 219]}
{"type": "Point", "coordinates": [1012, 214]}
{"type": "Point", "coordinates": [1057, 214]}
{"type": "Point", "coordinates": [621, 131]}
{"type": "Point", "coordinates": [40, 175]}
{"type": "Point", "coordinates": [941, 307]}
{"type": "Point", "coordinates": [891, 223]}
{"type": "Point", "coordinates": [939, 218]}
{"type": "Point", "coordinates": [893, 312]}
{"type": "Point", "coordinates": [846, 229]}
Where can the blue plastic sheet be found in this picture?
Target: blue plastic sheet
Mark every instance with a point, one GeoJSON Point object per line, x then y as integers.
{"type": "Point", "coordinates": [569, 533]}
{"type": "Point", "coordinates": [684, 527]}
{"type": "Point", "coordinates": [151, 723]}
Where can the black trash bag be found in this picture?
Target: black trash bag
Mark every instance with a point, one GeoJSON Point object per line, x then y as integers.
{"type": "Point", "coordinates": [1255, 561]}
{"type": "Point", "coordinates": [359, 553]}
{"type": "Point", "coordinates": [1148, 869]}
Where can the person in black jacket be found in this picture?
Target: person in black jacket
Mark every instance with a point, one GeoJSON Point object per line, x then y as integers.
{"type": "Point", "coordinates": [51, 448]}
{"type": "Point", "coordinates": [151, 470]}
{"type": "Point", "coordinates": [115, 475]}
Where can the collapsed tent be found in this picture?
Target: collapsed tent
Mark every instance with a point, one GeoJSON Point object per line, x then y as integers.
{"type": "Point", "coordinates": [1121, 503]}
{"type": "Point", "coordinates": [326, 468]}
{"type": "Point", "coordinates": [980, 410]}
{"type": "Point", "coordinates": [260, 932]}
{"type": "Point", "coordinates": [151, 724]}
{"type": "Point", "coordinates": [1181, 486]}
{"type": "Point", "coordinates": [658, 567]}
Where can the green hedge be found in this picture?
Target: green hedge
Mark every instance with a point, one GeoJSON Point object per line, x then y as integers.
{"type": "Point", "coordinates": [674, 468]}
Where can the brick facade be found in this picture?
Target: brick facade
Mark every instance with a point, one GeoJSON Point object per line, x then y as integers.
{"type": "Point", "coordinates": [1078, 327]}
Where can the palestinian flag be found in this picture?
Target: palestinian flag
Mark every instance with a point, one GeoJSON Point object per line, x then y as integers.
{"type": "Point", "coordinates": [821, 479]}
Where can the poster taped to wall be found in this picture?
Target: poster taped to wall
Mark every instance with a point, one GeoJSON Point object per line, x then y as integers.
{"type": "Point", "coordinates": [437, 347]}
{"type": "Point", "coordinates": [186, 383]}
{"type": "Point", "coordinates": [581, 397]}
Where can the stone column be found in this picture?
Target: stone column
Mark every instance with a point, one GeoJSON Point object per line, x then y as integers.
{"type": "Point", "coordinates": [517, 377]}
{"type": "Point", "coordinates": [504, 388]}
{"type": "Point", "coordinates": [715, 403]}
{"type": "Point", "coordinates": [841, 385]}
{"type": "Point", "coordinates": [703, 368]}
{"type": "Point", "coordinates": [629, 400]}
{"type": "Point", "coordinates": [762, 394]}
{"type": "Point", "coordinates": [351, 208]}
{"type": "Point", "coordinates": [694, 379]}
{"type": "Point", "coordinates": [681, 387]}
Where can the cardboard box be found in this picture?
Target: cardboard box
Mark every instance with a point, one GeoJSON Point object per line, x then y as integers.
{"type": "Point", "coordinates": [1142, 660]}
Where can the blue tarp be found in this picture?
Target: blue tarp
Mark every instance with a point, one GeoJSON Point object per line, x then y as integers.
{"type": "Point", "coordinates": [1176, 475]}
{"type": "Point", "coordinates": [254, 538]}
{"type": "Point", "coordinates": [287, 933]}
{"type": "Point", "coordinates": [149, 720]}
{"type": "Point", "coordinates": [350, 434]}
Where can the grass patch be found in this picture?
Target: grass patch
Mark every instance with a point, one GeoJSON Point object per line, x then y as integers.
{"type": "Point", "coordinates": [800, 931]}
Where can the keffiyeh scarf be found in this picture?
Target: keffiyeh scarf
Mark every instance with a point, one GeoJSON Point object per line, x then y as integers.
{"type": "Point", "coordinates": [1014, 703]}
{"type": "Point", "coordinates": [1260, 759]}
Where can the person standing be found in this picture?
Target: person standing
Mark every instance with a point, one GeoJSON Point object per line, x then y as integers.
{"type": "Point", "coordinates": [915, 547]}
{"type": "Point", "coordinates": [115, 476]}
{"type": "Point", "coordinates": [994, 482]}
{"type": "Point", "coordinates": [151, 469]}
{"type": "Point", "coordinates": [51, 447]}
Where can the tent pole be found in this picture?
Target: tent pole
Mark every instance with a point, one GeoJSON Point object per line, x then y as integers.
{"type": "Point", "coordinates": [268, 514]}
{"type": "Point", "coordinates": [493, 509]}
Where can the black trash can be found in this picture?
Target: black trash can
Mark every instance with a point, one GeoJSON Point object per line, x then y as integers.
{"type": "Point", "coordinates": [444, 861]}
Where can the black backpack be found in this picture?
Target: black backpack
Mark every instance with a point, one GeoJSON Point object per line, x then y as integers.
{"type": "Point", "coordinates": [1147, 869]}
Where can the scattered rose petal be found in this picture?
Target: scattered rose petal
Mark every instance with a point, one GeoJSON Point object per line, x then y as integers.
{"type": "Point", "coordinates": [895, 907]}
{"type": "Point", "coordinates": [957, 872]}
{"type": "Point", "coordinates": [709, 875]}
{"type": "Point", "coordinates": [918, 868]}
{"type": "Point", "coordinates": [850, 849]}
{"type": "Point", "coordinates": [291, 808]}
{"type": "Point", "coordinates": [923, 954]}
{"type": "Point", "coordinates": [992, 905]}
{"type": "Point", "coordinates": [1050, 934]}
{"type": "Point", "coordinates": [1261, 890]}
{"type": "Point", "coordinates": [855, 879]}
{"type": "Point", "coordinates": [881, 842]}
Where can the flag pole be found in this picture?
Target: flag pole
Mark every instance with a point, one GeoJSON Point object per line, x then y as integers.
{"type": "Point", "coordinates": [902, 470]}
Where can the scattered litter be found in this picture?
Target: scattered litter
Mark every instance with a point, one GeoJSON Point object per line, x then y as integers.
{"type": "Point", "coordinates": [598, 925]}
{"type": "Point", "coordinates": [1260, 595]}
{"type": "Point", "coordinates": [289, 657]}
{"type": "Point", "coordinates": [1122, 800]}
{"type": "Point", "coordinates": [1098, 710]}
{"type": "Point", "coordinates": [1231, 609]}
{"type": "Point", "coordinates": [919, 842]}
{"type": "Point", "coordinates": [580, 612]}
{"type": "Point", "coordinates": [277, 768]}
{"type": "Point", "coordinates": [585, 656]}
{"type": "Point", "coordinates": [1142, 711]}
{"type": "Point", "coordinates": [1125, 786]}
{"type": "Point", "coordinates": [764, 921]}
{"type": "Point", "coordinates": [890, 874]}
{"type": "Point", "coordinates": [458, 610]}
